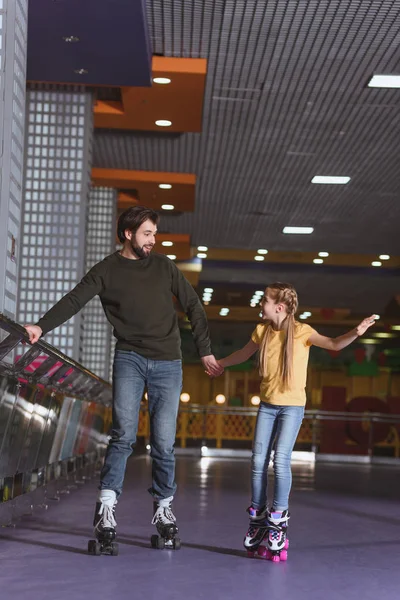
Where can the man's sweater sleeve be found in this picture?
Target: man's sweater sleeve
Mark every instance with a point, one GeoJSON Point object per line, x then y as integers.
{"type": "Point", "coordinates": [191, 304]}
{"type": "Point", "coordinates": [75, 300]}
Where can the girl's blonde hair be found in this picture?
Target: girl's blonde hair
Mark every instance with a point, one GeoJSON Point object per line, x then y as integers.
{"type": "Point", "coordinates": [282, 293]}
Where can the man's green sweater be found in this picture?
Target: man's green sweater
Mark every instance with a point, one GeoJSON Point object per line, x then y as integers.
{"type": "Point", "coordinates": [137, 297]}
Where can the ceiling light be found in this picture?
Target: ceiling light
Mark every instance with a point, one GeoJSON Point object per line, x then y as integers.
{"type": "Point", "coordinates": [369, 341]}
{"type": "Point", "coordinates": [384, 256]}
{"type": "Point", "coordinates": [162, 80]}
{"type": "Point", "coordinates": [206, 302]}
{"type": "Point", "coordinates": [207, 297]}
{"type": "Point", "coordinates": [304, 230]}
{"type": "Point", "coordinates": [253, 304]}
{"type": "Point", "coordinates": [318, 261]}
{"type": "Point", "coordinates": [71, 39]}
{"type": "Point", "coordinates": [384, 81]}
{"type": "Point", "coordinates": [384, 335]}
{"type": "Point", "coordinates": [259, 293]}
{"type": "Point", "coordinates": [376, 317]}
{"type": "Point", "coordinates": [306, 313]}
{"type": "Point", "coordinates": [167, 243]}
{"type": "Point", "coordinates": [209, 290]}
{"type": "Point", "coordinates": [302, 316]}
{"type": "Point", "coordinates": [396, 327]}
{"type": "Point", "coordinates": [185, 397]}
{"type": "Point", "coordinates": [167, 206]}
{"type": "Point", "coordinates": [376, 263]}
{"type": "Point", "coordinates": [323, 254]}
{"type": "Point", "coordinates": [163, 123]}
{"type": "Point", "coordinates": [330, 179]}
{"type": "Point", "coordinates": [202, 248]}
{"type": "Point", "coordinates": [81, 71]}
{"type": "Point", "coordinates": [262, 251]}
{"type": "Point", "coordinates": [165, 186]}
{"type": "Point", "coordinates": [259, 258]}
{"type": "Point", "coordinates": [201, 255]}
{"type": "Point", "coordinates": [171, 256]}
{"type": "Point", "coordinates": [255, 400]}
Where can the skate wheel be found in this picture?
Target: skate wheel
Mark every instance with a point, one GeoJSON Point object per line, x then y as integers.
{"type": "Point", "coordinates": [275, 558]}
{"type": "Point", "coordinates": [286, 544]}
{"type": "Point", "coordinates": [153, 541]}
{"type": "Point", "coordinates": [114, 549]}
{"type": "Point", "coordinates": [268, 555]}
{"type": "Point", "coordinates": [262, 551]}
{"type": "Point", "coordinates": [251, 554]}
{"type": "Point", "coordinates": [177, 544]}
{"type": "Point", "coordinates": [94, 548]}
{"type": "Point", "coordinates": [283, 555]}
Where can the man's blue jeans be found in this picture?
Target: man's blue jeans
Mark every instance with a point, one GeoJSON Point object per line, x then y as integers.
{"type": "Point", "coordinates": [279, 424]}
{"type": "Point", "coordinates": [163, 379]}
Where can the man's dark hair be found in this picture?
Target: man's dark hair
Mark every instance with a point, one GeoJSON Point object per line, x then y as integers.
{"type": "Point", "coordinates": [132, 219]}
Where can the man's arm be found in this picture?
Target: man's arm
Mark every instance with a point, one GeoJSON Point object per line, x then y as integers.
{"type": "Point", "coordinates": [69, 305]}
{"type": "Point", "coordinates": [191, 304]}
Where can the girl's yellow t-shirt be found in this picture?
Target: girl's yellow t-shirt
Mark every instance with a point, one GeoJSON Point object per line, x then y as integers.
{"type": "Point", "coordinates": [271, 385]}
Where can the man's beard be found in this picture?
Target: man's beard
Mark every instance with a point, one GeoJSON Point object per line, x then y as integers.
{"type": "Point", "coordinates": [141, 252]}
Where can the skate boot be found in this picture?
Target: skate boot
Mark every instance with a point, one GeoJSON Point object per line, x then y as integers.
{"type": "Point", "coordinates": [165, 521]}
{"type": "Point", "coordinates": [104, 525]}
{"type": "Point", "coordinates": [276, 541]}
{"type": "Point", "coordinates": [256, 531]}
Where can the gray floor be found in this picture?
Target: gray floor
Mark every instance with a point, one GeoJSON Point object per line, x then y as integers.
{"type": "Point", "coordinates": [344, 540]}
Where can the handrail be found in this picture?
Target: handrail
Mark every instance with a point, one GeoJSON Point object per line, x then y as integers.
{"type": "Point", "coordinates": [58, 372]}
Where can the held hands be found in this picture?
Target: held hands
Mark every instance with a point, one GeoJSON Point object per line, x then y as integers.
{"type": "Point", "coordinates": [34, 333]}
{"type": "Point", "coordinates": [366, 324]}
{"type": "Point", "coordinates": [212, 366]}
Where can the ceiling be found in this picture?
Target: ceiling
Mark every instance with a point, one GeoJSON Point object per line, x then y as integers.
{"type": "Point", "coordinates": [285, 99]}
{"type": "Point", "coordinates": [106, 41]}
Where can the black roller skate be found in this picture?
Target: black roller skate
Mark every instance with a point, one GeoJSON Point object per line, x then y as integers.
{"type": "Point", "coordinates": [256, 531]}
{"type": "Point", "coordinates": [104, 525]}
{"type": "Point", "coordinates": [276, 543]}
{"type": "Point", "coordinates": [165, 521]}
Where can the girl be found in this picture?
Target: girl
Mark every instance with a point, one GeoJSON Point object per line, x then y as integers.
{"type": "Point", "coordinates": [284, 346]}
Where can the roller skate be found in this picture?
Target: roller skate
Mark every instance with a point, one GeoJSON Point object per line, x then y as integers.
{"type": "Point", "coordinates": [256, 531]}
{"type": "Point", "coordinates": [104, 525]}
{"type": "Point", "coordinates": [165, 521]}
{"type": "Point", "coordinates": [276, 544]}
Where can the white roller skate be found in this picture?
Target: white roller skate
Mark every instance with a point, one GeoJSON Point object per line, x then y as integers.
{"type": "Point", "coordinates": [104, 525]}
{"type": "Point", "coordinates": [256, 531]}
{"type": "Point", "coordinates": [276, 543]}
{"type": "Point", "coordinates": [165, 521]}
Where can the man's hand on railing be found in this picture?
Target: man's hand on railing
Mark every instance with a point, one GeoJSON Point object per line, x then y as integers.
{"type": "Point", "coordinates": [34, 332]}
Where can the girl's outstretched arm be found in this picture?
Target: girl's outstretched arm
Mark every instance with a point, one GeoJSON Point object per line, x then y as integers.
{"type": "Point", "coordinates": [342, 341]}
{"type": "Point", "coordinates": [240, 355]}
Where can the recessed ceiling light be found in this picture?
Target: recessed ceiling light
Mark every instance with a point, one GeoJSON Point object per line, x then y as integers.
{"type": "Point", "coordinates": [376, 317]}
{"type": "Point", "coordinates": [259, 293]}
{"type": "Point", "coordinates": [303, 316]}
{"type": "Point", "coordinates": [376, 263]}
{"type": "Point", "coordinates": [162, 80]}
{"type": "Point", "coordinates": [395, 327]}
{"type": "Point", "coordinates": [318, 261]}
{"type": "Point", "coordinates": [330, 179]}
{"type": "Point", "coordinates": [384, 81]}
{"type": "Point", "coordinates": [306, 313]}
{"type": "Point", "coordinates": [81, 71]}
{"type": "Point", "coordinates": [167, 243]}
{"type": "Point", "coordinates": [384, 256]}
{"type": "Point", "coordinates": [262, 251]}
{"type": "Point", "coordinates": [369, 341]}
{"type": "Point", "coordinates": [202, 248]}
{"type": "Point", "coordinates": [171, 256]}
{"type": "Point", "coordinates": [201, 255]}
{"type": "Point", "coordinates": [323, 254]}
{"type": "Point", "coordinates": [163, 123]}
{"type": "Point", "coordinates": [209, 290]}
{"type": "Point", "coordinates": [303, 230]}
{"type": "Point", "coordinates": [207, 297]}
{"type": "Point", "coordinates": [165, 186]}
{"type": "Point", "coordinates": [258, 257]}
{"type": "Point", "coordinates": [167, 206]}
{"type": "Point", "coordinates": [384, 335]}
{"type": "Point", "coordinates": [71, 39]}
{"type": "Point", "coordinates": [253, 304]}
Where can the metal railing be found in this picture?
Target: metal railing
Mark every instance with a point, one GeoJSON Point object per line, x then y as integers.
{"type": "Point", "coordinates": [45, 365]}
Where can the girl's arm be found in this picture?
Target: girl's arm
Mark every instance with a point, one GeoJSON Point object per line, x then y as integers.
{"type": "Point", "coordinates": [240, 355]}
{"type": "Point", "coordinates": [342, 341]}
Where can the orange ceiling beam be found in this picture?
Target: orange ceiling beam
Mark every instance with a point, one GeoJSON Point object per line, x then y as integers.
{"type": "Point", "coordinates": [180, 101]}
{"type": "Point", "coordinates": [181, 195]}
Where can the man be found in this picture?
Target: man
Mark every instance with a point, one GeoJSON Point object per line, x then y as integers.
{"type": "Point", "coordinates": [136, 288]}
